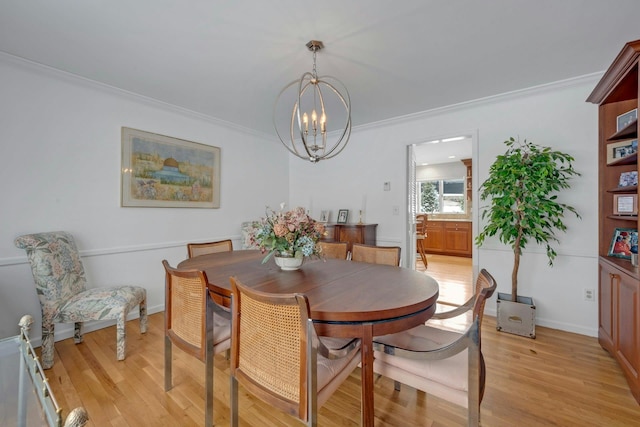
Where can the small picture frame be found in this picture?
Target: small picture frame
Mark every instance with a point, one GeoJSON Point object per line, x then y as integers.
{"type": "Point", "coordinates": [623, 242]}
{"type": "Point", "coordinates": [625, 204]}
{"type": "Point", "coordinates": [626, 119]}
{"type": "Point", "coordinates": [621, 149]}
{"type": "Point", "coordinates": [628, 179]}
{"type": "Point", "coordinates": [324, 216]}
{"type": "Point", "coordinates": [343, 216]}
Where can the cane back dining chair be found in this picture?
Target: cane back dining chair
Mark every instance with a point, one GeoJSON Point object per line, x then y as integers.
{"type": "Point", "coordinates": [421, 236]}
{"type": "Point", "coordinates": [195, 249]}
{"type": "Point", "coordinates": [277, 356]}
{"type": "Point", "coordinates": [434, 360]}
{"type": "Point", "coordinates": [388, 255]}
{"type": "Point", "coordinates": [64, 298]}
{"type": "Point", "coordinates": [335, 250]}
{"type": "Point", "coordinates": [194, 323]}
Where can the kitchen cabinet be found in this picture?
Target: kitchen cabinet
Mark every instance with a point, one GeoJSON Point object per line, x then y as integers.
{"type": "Point", "coordinates": [448, 238]}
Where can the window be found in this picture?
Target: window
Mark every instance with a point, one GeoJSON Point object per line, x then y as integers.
{"type": "Point", "coordinates": [442, 196]}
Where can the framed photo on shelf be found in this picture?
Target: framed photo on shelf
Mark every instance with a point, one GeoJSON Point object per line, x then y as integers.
{"type": "Point", "coordinates": [628, 179]}
{"type": "Point", "coordinates": [623, 241]}
{"type": "Point", "coordinates": [625, 204]}
{"type": "Point", "coordinates": [625, 119]}
{"type": "Point", "coordinates": [621, 149]}
{"type": "Point", "coordinates": [324, 216]}
{"type": "Point", "coordinates": [343, 215]}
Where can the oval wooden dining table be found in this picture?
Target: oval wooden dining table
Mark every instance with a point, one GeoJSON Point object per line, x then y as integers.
{"type": "Point", "coordinates": [347, 298]}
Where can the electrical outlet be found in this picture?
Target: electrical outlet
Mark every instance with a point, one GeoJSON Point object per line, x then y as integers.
{"type": "Point", "coordinates": [589, 295]}
{"type": "Point", "coordinates": [387, 186]}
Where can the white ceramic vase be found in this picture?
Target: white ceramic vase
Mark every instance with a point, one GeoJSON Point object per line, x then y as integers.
{"type": "Point", "coordinates": [288, 263]}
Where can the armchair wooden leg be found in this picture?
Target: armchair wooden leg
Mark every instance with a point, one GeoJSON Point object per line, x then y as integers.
{"type": "Point", "coordinates": [167, 364]}
{"type": "Point", "coordinates": [234, 401]}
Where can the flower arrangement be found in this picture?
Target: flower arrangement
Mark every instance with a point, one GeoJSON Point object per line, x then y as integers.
{"type": "Point", "coordinates": [287, 233]}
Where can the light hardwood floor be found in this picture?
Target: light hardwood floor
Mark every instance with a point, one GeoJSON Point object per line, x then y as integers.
{"type": "Point", "coordinates": [558, 379]}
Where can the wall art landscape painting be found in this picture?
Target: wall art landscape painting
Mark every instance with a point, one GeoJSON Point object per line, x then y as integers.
{"type": "Point", "coordinates": [161, 171]}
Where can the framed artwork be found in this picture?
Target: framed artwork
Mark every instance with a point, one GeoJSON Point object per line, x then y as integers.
{"type": "Point", "coordinates": [324, 216]}
{"type": "Point", "coordinates": [626, 119]}
{"type": "Point", "coordinates": [620, 149]}
{"type": "Point", "coordinates": [625, 204]}
{"type": "Point", "coordinates": [161, 171]}
{"type": "Point", "coordinates": [343, 215]}
{"type": "Point", "coordinates": [628, 179]}
{"type": "Point", "coordinates": [623, 241]}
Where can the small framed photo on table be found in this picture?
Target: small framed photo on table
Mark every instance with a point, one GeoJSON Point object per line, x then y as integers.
{"type": "Point", "coordinates": [624, 241]}
{"type": "Point", "coordinates": [625, 204]}
{"type": "Point", "coordinates": [324, 216]}
{"type": "Point", "coordinates": [343, 215]}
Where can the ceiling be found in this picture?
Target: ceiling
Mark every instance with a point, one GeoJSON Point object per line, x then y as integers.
{"type": "Point", "coordinates": [229, 59]}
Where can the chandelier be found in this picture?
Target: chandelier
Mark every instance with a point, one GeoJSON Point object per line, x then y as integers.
{"type": "Point", "coordinates": [308, 128]}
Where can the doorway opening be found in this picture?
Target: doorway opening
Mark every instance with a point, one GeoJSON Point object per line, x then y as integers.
{"type": "Point", "coordinates": [441, 185]}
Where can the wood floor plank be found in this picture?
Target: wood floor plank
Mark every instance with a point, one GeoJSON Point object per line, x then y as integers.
{"type": "Point", "coordinates": [558, 379]}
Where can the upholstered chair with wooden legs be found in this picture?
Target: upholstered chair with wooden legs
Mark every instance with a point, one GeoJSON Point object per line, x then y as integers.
{"type": "Point", "coordinates": [335, 250]}
{"type": "Point", "coordinates": [195, 249]}
{"type": "Point", "coordinates": [388, 255]}
{"type": "Point", "coordinates": [421, 236]}
{"type": "Point", "coordinates": [64, 298]}
{"type": "Point", "coordinates": [440, 362]}
{"type": "Point", "coordinates": [277, 356]}
{"type": "Point", "coordinates": [195, 324]}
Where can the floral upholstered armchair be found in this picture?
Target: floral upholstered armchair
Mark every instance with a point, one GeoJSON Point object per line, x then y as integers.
{"type": "Point", "coordinates": [61, 286]}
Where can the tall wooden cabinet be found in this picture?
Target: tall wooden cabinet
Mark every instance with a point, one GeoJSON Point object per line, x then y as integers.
{"type": "Point", "coordinates": [619, 282]}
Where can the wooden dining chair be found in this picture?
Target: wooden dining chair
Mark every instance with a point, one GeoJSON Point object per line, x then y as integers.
{"type": "Point", "coordinates": [335, 250]}
{"type": "Point", "coordinates": [195, 324]}
{"type": "Point", "coordinates": [277, 356]}
{"type": "Point", "coordinates": [388, 255]}
{"type": "Point", "coordinates": [421, 236]}
{"type": "Point", "coordinates": [434, 360]}
{"type": "Point", "coordinates": [195, 249]}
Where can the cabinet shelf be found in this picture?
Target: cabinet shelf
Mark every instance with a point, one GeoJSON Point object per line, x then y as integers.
{"type": "Point", "coordinates": [627, 189]}
{"type": "Point", "coordinates": [629, 131]}
{"type": "Point", "coordinates": [631, 159]}
{"type": "Point", "coordinates": [633, 218]}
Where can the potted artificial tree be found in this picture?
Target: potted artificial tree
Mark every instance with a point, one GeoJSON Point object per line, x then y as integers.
{"type": "Point", "coordinates": [523, 184]}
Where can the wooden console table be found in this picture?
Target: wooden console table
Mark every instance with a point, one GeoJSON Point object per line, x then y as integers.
{"type": "Point", "coordinates": [352, 233]}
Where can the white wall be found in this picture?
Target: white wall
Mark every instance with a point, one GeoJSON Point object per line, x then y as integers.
{"type": "Point", "coordinates": [60, 139]}
{"type": "Point", "coordinates": [555, 115]}
{"type": "Point", "coordinates": [61, 157]}
{"type": "Point", "coordinates": [452, 170]}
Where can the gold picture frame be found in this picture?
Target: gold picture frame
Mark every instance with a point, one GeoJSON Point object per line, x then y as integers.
{"type": "Point", "coordinates": [161, 171]}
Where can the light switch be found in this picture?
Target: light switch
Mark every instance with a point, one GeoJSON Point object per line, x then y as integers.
{"type": "Point", "coordinates": [387, 186]}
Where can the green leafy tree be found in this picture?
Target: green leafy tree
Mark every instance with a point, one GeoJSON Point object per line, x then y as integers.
{"type": "Point", "coordinates": [429, 199]}
{"type": "Point", "coordinates": [522, 186]}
